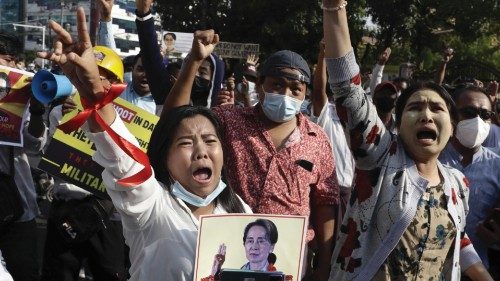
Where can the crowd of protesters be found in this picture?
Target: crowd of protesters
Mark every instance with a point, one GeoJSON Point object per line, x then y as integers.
{"type": "Point", "coordinates": [399, 179]}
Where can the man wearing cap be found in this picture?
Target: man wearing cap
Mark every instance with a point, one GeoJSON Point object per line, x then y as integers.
{"type": "Point", "coordinates": [384, 98]}
{"type": "Point", "coordinates": [277, 160]}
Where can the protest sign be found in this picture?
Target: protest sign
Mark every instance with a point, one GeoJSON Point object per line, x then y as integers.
{"type": "Point", "coordinates": [15, 91]}
{"type": "Point", "coordinates": [239, 253]}
{"type": "Point", "coordinates": [182, 44]}
{"type": "Point", "coordinates": [69, 156]}
{"type": "Point", "coordinates": [236, 50]}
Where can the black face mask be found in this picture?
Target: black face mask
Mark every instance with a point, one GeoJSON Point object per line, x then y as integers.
{"type": "Point", "coordinates": [384, 104]}
{"type": "Point", "coordinates": [200, 91]}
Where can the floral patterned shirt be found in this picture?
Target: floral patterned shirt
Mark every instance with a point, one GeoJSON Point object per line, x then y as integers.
{"type": "Point", "coordinates": [387, 187]}
{"type": "Point", "coordinates": [425, 247]}
{"type": "Point", "coordinates": [288, 181]}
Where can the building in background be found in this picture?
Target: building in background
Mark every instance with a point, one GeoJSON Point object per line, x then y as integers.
{"type": "Point", "coordinates": [38, 12]}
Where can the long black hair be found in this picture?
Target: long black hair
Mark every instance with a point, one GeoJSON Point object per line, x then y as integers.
{"type": "Point", "coordinates": [162, 139]}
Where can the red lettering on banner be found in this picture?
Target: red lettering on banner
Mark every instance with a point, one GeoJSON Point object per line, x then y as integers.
{"type": "Point", "coordinates": [127, 115]}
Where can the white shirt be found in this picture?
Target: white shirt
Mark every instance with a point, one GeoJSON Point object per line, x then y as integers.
{"type": "Point", "coordinates": [377, 73]}
{"type": "Point", "coordinates": [160, 229]}
{"type": "Point", "coordinates": [4, 274]}
{"type": "Point", "coordinates": [330, 122]}
{"type": "Point", "coordinates": [145, 102]}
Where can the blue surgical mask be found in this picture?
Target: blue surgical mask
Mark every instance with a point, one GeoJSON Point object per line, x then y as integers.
{"type": "Point", "coordinates": [127, 77]}
{"type": "Point", "coordinates": [280, 108]}
{"type": "Point", "coordinates": [180, 192]}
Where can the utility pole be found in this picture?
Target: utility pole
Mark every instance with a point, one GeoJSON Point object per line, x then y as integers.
{"type": "Point", "coordinates": [62, 7]}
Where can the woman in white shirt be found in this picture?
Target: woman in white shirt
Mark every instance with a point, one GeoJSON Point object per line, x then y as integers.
{"type": "Point", "coordinates": [159, 214]}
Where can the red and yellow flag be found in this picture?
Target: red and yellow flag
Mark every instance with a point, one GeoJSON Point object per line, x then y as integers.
{"type": "Point", "coordinates": [15, 90]}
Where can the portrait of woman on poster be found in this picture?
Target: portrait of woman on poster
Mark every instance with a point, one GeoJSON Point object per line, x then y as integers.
{"type": "Point", "coordinates": [259, 239]}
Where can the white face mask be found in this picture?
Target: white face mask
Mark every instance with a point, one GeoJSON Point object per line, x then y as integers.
{"type": "Point", "coordinates": [280, 108]}
{"type": "Point", "coordinates": [180, 192]}
{"type": "Point", "coordinates": [472, 132]}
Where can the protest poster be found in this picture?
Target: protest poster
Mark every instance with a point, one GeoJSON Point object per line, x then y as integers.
{"type": "Point", "coordinates": [226, 234]}
{"type": "Point", "coordinates": [236, 50]}
{"type": "Point", "coordinates": [15, 91]}
{"type": "Point", "coordinates": [181, 45]}
{"type": "Point", "coordinates": [69, 156]}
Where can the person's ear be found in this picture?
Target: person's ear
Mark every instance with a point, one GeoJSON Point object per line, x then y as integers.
{"type": "Point", "coordinates": [271, 249]}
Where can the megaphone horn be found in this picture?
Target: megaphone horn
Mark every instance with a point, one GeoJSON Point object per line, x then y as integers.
{"type": "Point", "coordinates": [47, 87]}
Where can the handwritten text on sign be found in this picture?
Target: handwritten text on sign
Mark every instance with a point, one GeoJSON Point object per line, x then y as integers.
{"type": "Point", "coordinates": [236, 50]}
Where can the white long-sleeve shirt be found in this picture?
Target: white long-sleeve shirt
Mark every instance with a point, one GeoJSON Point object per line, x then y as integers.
{"type": "Point", "coordinates": [159, 228]}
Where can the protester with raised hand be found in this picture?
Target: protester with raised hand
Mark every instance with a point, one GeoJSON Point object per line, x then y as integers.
{"type": "Point", "coordinates": [441, 72]}
{"type": "Point", "coordinates": [407, 212]}
{"type": "Point", "coordinates": [378, 69]}
{"type": "Point", "coordinates": [73, 206]}
{"type": "Point", "coordinates": [278, 161]}
{"type": "Point", "coordinates": [325, 115]}
{"type": "Point", "coordinates": [105, 28]}
{"type": "Point", "coordinates": [159, 211]}
{"type": "Point", "coordinates": [209, 77]}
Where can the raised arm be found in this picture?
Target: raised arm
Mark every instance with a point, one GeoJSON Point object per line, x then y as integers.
{"type": "Point", "coordinates": [367, 137]}
{"type": "Point", "coordinates": [77, 61]}
{"type": "Point", "coordinates": [441, 72]}
{"type": "Point", "coordinates": [203, 45]}
{"type": "Point", "coordinates": [336, 31]}
{"type": "Point", "coordinates": [378, 69]}
{"type": "Point", "coordinates": [152, 60]}
{"type": "Point", "coordinates": [105, 33]}
{"type": "Point", "coordinates": [127, 175]}
{"type": "Point", "coordinates": [318, 97]}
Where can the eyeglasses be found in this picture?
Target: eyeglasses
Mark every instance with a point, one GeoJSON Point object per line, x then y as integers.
{"type": "Point", "coordinates": [471, 112]}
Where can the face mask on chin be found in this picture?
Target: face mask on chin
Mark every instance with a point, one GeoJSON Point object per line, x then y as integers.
{"type": "Point", "coordinates": [180, 192]}
{"type": "Point", "coordinates": [280, 108]}
{"type": "Point", "coordinates": [472, 132]}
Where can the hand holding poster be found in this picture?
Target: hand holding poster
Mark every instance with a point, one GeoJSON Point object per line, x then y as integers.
{"type": "Point", "coordinates": [250, 246]}
{"type": "Point", "coordinates": [15, 92]}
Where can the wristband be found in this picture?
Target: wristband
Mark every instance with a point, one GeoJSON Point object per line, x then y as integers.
{"type": "Point", "coordinates": [333, 9]}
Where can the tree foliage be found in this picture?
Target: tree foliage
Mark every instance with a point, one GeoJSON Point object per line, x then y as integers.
{"type": "Point", "coordinates": [416, 29]}
{"type": "Point", "coordinates": [275, 25]}
{"type": "Point", "coordinates": [431, 24]}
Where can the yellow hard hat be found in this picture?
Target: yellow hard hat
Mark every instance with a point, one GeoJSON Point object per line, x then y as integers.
{"type": "Point", "coordinates": [109, 60]}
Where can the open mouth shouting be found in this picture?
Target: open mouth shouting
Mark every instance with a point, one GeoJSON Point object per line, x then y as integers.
{"type": "Point", "coordinates": [202, 175]}
{"type": "Point", "coordinates": [426, 136]}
